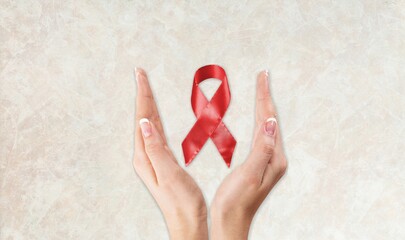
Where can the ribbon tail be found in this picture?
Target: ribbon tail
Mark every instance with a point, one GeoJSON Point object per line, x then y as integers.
{"type": "Point", "coordinates": [193, 143]}
{"type": "Point", "coordinates": [225, 143]}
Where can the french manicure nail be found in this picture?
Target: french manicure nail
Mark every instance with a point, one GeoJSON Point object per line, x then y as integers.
{"type": "Point", "coordinates": [266, 73]}
{"type": "Point", "coordinates": [270, 126]}
{"type": "Point", "coordinates": [145, 127]}
{"type": "Point", "coordinates": [136, 74]}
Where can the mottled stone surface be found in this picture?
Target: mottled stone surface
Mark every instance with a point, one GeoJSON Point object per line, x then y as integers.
{"type": "Point", "coordinates": [67, 112]}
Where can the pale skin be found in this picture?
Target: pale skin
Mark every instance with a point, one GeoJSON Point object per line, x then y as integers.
{"type": "Point", "coordinates": [177, 194]}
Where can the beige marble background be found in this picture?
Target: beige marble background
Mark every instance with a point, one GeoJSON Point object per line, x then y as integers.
{"type": "Point", "coordinates": [67, 112]}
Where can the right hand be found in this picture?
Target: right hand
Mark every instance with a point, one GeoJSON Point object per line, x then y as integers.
{"type": "Point", "coordinates": [243, 191]}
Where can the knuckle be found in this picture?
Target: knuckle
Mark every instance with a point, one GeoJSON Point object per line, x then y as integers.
{"type": "Point", "coordinates": [148, 96]}
{"type": "Point", "coordinates": [264, 97]}
{"type": "Point", "coordinates": [149, 114]}
{"type": "Point", "coordinates": [142, 114]}
{"type": "Point", "coordinates": [152, 148]}
{"type": "Point", "coordinates": [155, 118]}
{"type": "Point", "coordinates": [267, 149]}
{"type": "Point", "coordinates": [267, 112]}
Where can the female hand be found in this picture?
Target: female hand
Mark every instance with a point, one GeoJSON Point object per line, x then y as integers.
{"type": "Point", "coordinates": [241, 193]}
{"type": "Point", "coordinates": [176, 193]}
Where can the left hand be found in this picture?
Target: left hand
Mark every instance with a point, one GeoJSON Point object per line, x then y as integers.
{"type": "Point", "coordinates": [177, 194]}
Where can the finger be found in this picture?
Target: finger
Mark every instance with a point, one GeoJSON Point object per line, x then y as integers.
{"type": "Point", "coordinates": [156, 150]}
{"type": "Point", "coordinates": [141, 162]}
{"type": "Point", "coordinates": [263, 149]}
{"type": "Point", "coordinates": [146, 106]}
{"type": "Point", "coordinates": [265, 107]}
{"type": "Point", "coordinates": [277, 165]}
{"type": "Point", "coordinates": [145, 103]}
{"type": "Point", "coordinates": [263, 145]}
{"type": "Point", "coordinates": [264, 104]}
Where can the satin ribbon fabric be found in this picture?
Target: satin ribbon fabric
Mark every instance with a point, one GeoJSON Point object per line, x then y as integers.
{"type": "Point", "coordinates": [209, 117]}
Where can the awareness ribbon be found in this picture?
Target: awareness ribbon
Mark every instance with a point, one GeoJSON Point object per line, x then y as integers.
{"type": "Point", "coordinates": [209, 117]}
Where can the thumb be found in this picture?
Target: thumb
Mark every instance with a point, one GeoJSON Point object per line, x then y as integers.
{"type": "Point", "coordinates": [155, 148]}
{"type": "Point", "coordinates": [266, 139]}
{"type": "Point", "coordinates": [263, 147]}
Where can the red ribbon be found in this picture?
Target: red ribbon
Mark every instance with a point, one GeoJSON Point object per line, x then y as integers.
{"type": "Point", "coordinates": [209, 117]}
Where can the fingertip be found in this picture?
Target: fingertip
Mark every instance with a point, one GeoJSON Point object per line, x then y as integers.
{"type": "Point", "coordinates": [143, 86]}
{"type": "Point", "coordinates": [264, 74]}
{"type": "Point", "coordinates": [262, 85]}
{"type": "Point", "coordinates": [264, 79]}
{"type": "Point", "coordinates": [139, 70]}
{"type": "Point", "coordinates": [139, 74]}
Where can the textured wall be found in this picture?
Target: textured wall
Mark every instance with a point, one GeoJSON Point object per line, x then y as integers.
{"type": "Point", "coordinates": [67, 112]}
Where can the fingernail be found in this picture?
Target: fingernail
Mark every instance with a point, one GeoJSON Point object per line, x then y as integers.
{"type": "Point", "coordinates": [145, 127]}
{"type": "Point", "coordinates": [267, 73]}
{"type": "Point", "coordinates": [136, 74]}
{"type": "Point", "coordinates": [270, 126]}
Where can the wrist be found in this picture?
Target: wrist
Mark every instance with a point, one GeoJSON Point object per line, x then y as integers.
{"type": "Point", "coordinates": [188, 227]}
{"type": "Point", "coordinates": [233, 225]}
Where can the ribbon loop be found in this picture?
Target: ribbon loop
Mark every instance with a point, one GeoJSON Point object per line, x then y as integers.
{"type": "Point", "coordinates": [209, 117]}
